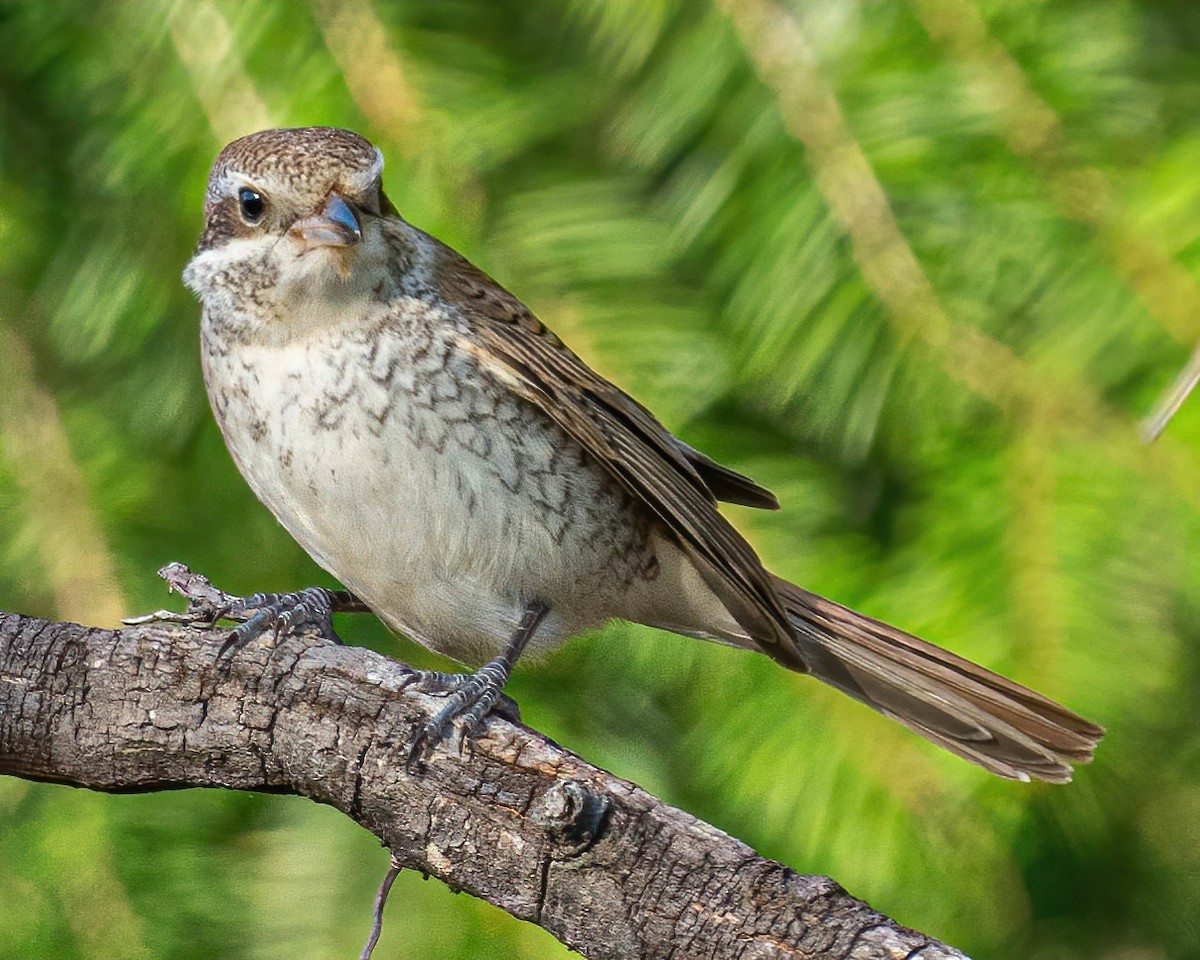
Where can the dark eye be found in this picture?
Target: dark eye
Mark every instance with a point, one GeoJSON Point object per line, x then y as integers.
{"type": "Point", "coordinates": [252, 204]}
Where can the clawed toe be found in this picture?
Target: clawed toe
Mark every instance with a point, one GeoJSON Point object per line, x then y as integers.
{"type": "Point", "coordinates": [470, 698]}
{"type": "Point", "coordinates": [436, 682]}
{"type": "Point", "coordinates": [282, 615]}
{"type": "Point", "coordinates": [242, 634]}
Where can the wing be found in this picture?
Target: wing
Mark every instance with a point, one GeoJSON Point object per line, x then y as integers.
{"type": "Point", "coordinates": [724, 484]}
{"type": "Point", "coordinates": [678, 484]}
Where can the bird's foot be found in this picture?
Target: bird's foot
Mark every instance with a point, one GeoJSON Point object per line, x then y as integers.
{"type": "Point", "coordinates": [471, 697]}
{"type": "Point", "coordinates": [283, 614]}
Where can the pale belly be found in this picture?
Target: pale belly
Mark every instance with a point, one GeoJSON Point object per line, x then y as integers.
{"type": "Point", "coordinates": [443, 503]}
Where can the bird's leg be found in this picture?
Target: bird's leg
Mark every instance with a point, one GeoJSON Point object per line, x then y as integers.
{"type": "Point", "coordinates": [472, 696]}
{"type": "Point", "coordinates": [281, 613]}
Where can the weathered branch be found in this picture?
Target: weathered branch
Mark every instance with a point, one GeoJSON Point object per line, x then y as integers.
{"type": "Point", "coordinates": [606, 868]}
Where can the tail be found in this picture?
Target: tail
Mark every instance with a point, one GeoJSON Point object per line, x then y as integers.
{"type": "Point", "coordinates": [970, 711]}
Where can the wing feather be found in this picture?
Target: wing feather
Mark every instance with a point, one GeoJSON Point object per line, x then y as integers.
{"type": "Point", "coordinates": [652, 465]}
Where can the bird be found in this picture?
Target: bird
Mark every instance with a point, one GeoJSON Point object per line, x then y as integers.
{"type": "Point", "coordinates": [472, 482]}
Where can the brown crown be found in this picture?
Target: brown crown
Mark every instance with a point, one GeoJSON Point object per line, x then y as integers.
{"type": "Point", "coordinates": [303, 157]}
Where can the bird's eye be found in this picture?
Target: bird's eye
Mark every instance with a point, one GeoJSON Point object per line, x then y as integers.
{"type": "Point", "coordinates": [252, 204]}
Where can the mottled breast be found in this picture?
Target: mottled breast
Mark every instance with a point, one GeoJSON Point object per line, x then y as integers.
{"type": "Point", "coordinates": [445, 501]}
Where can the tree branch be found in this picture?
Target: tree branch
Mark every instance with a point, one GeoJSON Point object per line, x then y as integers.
{"type": "Point", "coordinates": [516, 820]}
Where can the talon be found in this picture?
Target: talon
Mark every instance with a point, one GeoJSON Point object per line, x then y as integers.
{"type": "Point", "coordinates": [238, 638]}
{"type": "Point", "coordinates": [418, 749]}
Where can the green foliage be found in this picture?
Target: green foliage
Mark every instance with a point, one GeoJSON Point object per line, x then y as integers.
{"type": "Point", "coordinates": [623, 166]}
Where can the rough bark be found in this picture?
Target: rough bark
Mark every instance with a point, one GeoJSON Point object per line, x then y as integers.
{"type": "Point", "coordinates": [603, 866]}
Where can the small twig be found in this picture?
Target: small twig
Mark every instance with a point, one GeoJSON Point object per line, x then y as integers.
{"type": "Point", "coordinates": [206, 604]}
{"type": "Point", "coordinates": [1172, 400]}
{"type": "Point", "coordinates": [380, 899]}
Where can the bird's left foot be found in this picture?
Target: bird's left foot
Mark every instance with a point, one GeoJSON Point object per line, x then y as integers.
{"type": "Point", "coordinates": [283, 614]}
{"type": "Point", "coordinates": [472, 696]}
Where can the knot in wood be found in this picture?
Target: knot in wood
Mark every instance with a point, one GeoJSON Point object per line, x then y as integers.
{"type": "Point", "coordinates": [572, 815]}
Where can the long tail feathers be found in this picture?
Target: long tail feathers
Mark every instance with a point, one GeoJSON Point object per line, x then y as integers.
{"type": "Point", "coordinates": [970, 711]}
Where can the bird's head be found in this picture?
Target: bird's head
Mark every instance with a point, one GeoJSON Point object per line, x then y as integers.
{"type": "Point", "coordinates": [291, 221]}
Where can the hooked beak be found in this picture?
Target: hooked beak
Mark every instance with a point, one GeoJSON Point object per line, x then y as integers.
{"type": "Point", "coordinates": [335, 226]}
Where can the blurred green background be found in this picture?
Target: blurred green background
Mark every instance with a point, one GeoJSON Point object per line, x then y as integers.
{"type": "Point", "coordinates": [917, 265]}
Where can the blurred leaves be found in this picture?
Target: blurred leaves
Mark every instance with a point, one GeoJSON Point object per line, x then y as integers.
{"type": "Point", "coordinates": [918, 265]}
